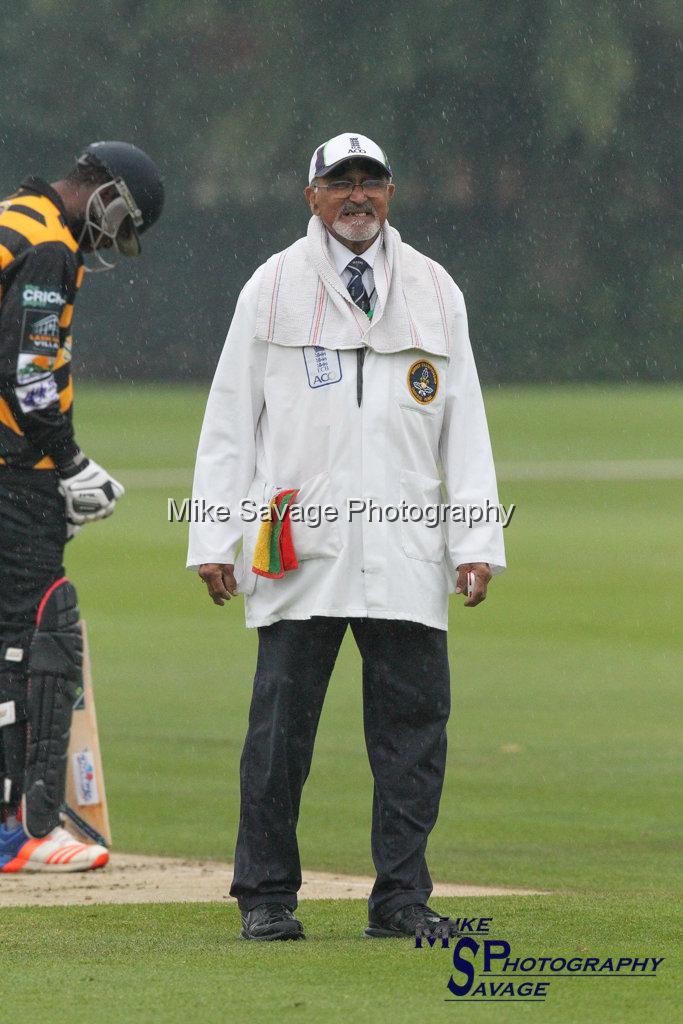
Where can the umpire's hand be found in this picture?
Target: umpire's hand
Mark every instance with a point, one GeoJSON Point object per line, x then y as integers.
{"type": "Point", "coordinates": [482, 575]}
{"type": "Point", "coordinates": [220, 581]}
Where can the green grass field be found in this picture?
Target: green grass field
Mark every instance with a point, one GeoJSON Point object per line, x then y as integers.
{"type": "Point", "coordinates": [563, 740]}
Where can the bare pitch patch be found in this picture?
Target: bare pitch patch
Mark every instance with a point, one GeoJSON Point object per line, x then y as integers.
{"type": "Point", "coordinates": [134, 878]}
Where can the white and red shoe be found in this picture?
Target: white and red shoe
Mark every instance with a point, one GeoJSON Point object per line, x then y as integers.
{"type": "Point", "coordinates": [58, 851]}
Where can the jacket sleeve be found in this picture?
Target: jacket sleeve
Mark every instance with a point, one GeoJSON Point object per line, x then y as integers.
{"type": "Point", "coordinates": [226, 455]}
{"type": "Point", "coordinates": [34, 299]}
{"type": "Point", "coordinates": [467, 459]}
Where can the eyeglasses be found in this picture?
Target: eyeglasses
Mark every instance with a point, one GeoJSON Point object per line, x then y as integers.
{"type": "Point", "coordinates": [372, 187]}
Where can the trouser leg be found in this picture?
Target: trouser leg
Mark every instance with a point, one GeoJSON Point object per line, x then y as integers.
{"type": "Point", "coordinates": [33, 532]}
{"type": "Point", "coordinates": [295, 662]}
{"type": "Point", "coordinates": [406, 703]}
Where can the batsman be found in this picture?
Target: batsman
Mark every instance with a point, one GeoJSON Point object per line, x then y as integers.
{"type": "Point", "coordinates": [49, 488]}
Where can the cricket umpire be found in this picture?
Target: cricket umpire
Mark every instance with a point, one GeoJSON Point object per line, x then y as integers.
{"type": "Point", "coordinates": [48, 487]}
{"type": "Point", "coordinates": [346, 385]}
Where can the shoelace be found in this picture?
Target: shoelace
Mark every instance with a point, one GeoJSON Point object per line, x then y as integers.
{"type": "Point", "coordinates": [414, 915]}
{"type": "Point", "coordinates": [276, 911]}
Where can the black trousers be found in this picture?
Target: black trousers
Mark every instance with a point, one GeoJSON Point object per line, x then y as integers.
{"type": "Point", "coordinates": [32, 539]}
{"type": "Point", "coordinates": [406, 703]}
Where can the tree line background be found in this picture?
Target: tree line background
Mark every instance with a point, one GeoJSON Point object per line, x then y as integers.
{"type": "Point", "coordinates": [534, 145]}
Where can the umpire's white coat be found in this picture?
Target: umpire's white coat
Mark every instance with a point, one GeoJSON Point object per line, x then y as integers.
{"type": "Point", "coordinates": [283, 413]}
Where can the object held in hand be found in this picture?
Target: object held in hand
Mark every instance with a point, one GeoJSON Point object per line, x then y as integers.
{"type": "Point", "coordinates": [471, 583]}
{"type": "Point", "coordinates": [90, 493]}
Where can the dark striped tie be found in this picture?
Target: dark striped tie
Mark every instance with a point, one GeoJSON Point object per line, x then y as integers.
{"type": "Point", "coordinates": [356, 289]}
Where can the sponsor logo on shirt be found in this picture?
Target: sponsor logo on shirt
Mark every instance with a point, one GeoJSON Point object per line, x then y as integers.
{"type": "Point", "coordinates": [423, 382]}
{"type": "Point", "coordinates": [38, 297]}
{"type": "Point", "coordinates": [31, 367]}
{"type": "Point", "coordinates": [40, 332]}
{"type": "Point", "coordinates": [46, 330]}
{"type": "Point", "coordinates": [322, 366]}
{"type": "Point", "coordinates": [37, 395]}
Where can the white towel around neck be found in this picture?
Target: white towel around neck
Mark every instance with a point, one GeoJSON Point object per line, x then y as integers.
{"type": "Point", "coordinates": [303, 300]}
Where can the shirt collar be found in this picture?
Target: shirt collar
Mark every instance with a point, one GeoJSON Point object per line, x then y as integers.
{"type": "Point", "coordinates": [41, 188]}
{"type": "Point", "coordinates": [341, 256]}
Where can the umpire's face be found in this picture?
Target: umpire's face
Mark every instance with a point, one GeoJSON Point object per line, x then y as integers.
{"type": "Point", "coordinates": [352, 213]}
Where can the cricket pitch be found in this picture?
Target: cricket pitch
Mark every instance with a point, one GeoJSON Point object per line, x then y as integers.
{"type": "Point", "coordinates": [134, 878]}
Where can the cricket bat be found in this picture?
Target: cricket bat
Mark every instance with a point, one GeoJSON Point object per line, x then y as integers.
{"type": "Point", "coordinates": [85, 809]}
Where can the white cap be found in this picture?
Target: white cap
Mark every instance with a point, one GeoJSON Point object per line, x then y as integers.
{"type": "Point", "coordinates": [345, 147]}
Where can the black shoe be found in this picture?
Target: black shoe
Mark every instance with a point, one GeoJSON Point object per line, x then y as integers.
{"type": "Point", "coordinates": [415, 918]}
{"type": "Point", "coordinates": [271, 921]}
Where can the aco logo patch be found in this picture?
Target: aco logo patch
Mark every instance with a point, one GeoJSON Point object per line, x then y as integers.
{"type": "Point", "coordinates": [423, 382]}
{"type": "Point", "coordinates": [322, 366]}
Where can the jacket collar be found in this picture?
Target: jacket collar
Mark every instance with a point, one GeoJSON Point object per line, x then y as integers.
{"type": "Point", "coordinates": [318, 253]}
{"type": "Point", "coordinates": [341, 256]}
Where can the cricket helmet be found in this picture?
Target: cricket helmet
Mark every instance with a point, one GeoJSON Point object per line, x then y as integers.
{"type": "Point", "coordinates": [126, 205]}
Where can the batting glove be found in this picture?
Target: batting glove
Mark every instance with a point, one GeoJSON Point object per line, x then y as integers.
{"type": "Point", "coordinates": [89, 493]}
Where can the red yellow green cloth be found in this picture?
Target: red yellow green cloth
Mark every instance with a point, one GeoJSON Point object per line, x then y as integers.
{"type": "Point", "coordinates": [274, 554]}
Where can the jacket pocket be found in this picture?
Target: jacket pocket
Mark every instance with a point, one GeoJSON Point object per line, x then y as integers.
{"type": "Point", "coordinates": [313, 535]}
{"type": "Point", "coordinates": [422, 535]}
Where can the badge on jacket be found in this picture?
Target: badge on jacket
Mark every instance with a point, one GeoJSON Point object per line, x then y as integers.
{"type": "Point", "coordinates": [423, 382]}
{"type": "Point", "coordinates": [323, 366]}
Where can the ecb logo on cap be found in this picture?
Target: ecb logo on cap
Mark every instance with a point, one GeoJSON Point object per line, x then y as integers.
{"type": "Point", "coordinates": [355, 146]}
{"type": "Point", "coordinates": [423, 382]}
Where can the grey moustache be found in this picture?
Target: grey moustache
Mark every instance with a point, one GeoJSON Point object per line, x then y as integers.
{"type": "Point", "coordinates": [366, 208]}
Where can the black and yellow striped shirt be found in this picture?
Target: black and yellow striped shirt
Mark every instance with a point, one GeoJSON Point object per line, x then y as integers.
{"type": "Point", "coordinates": [41, 270]}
